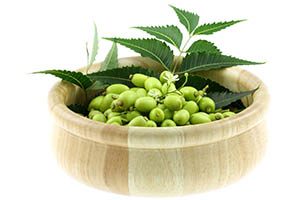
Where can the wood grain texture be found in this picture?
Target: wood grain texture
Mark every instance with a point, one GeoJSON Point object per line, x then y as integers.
{"type": "Point", "coordinates": [161, 161]}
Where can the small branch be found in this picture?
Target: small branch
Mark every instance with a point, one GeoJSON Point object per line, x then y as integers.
{"type": "Point", "coordinates": [181, 52]}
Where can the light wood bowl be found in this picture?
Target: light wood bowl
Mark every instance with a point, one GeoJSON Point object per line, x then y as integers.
{"type": "Point", "coordinates": [161, 161]}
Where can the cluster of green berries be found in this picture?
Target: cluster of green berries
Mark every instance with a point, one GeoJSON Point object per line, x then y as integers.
{"type": "Point", "coordinates": [154, 102]}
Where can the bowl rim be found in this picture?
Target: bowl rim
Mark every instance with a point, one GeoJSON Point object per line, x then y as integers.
{"type": "Point", "coordinates": [160, 137]}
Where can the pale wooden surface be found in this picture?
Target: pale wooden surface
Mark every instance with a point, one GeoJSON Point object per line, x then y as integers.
{"type": "Point", "coordinates": [161, 161]}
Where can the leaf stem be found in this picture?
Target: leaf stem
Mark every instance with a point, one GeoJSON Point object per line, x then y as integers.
{"type": "Point", "coordinates": [87, 57]}
{"type": "Point", "coordinates": [181, 51]}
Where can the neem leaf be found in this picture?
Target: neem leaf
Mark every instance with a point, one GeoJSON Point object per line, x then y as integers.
{"type": "Point", "coordinates": [203, 46]}
{"type": "Point", "coordinates": [226, 98]}
{"type": "Point", "coordinates": [170, 34]}
{"type": "Point", "coordinates": [111, 59]}
{"type": "Point", "coordinates": [220, 94]}
{"type": "Point", "coordinates": [188, 19]}
{"type": "Point", "coordinates": [151, 48]}
{"type": "Point", "coordinates": [118, 75]}
{"type": "Point", "coordinates": [196, 62]}
{"type": "Point", "coordinates": [74, 77]}
{"type": "Point", "coordinates": [210, 28]}
{"type": "Point", "coordinates": [80, 109]}
{"type": "Point", "coordinates": [95, 46]}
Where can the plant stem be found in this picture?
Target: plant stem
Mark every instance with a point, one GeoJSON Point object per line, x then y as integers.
{"type": "Point", "coordinates": [181, 51]}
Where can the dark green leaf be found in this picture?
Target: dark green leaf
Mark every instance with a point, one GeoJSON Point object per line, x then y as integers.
{"type": "Point", "coordinates": [151, 48]}
{"type": "Point", "coordinates": [111, 59]}
{"type": "Point", "coordinates": [207, 29]}
{"type": "Point", "coordinates": [188, 19]}
{"type": "Point", "coordinates": [203, 46]}
{"type": "Point", "coordinates": [118, 75]}
{"type": "Point", "coordinates": [226, 98]}
{"type": "Point", "coordinates": [196, 62]}
{"type": "Point", "coordinates": [170, 34]}
{"type": "Point", "coordinates": [80, 109]}
{"type": "Point", "coordinates": [74, 77]}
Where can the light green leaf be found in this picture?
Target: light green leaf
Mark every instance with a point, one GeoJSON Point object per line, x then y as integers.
{"type": "Point", "coordinates": [74, 77]}
{"type": "Point", "coordinates": [111, 59]}
{"type": "Point", "coordinates": [226, 98]}
{"type": "Point", "coordinates": [151, 48]}
{"type": "Point", "coordinates": [170, 34]}
{"type": "Point", "coordinates": [188, 19]}
{"type": "Point", "coordinates": [95, 46]}
{"type": "Point", "coordinates": [207, 29]}
{"type": "Point", "coordinates": [195, 62]}
{"type": "Point", "coordinates": [117, 75]}
{"type": "Point", "coordinates": [203, 46]}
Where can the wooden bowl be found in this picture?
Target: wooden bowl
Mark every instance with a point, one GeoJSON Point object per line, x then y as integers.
{"type": "Point", "coordinates": [161, 161]}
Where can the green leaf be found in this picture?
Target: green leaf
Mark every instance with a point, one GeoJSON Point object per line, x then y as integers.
{"type": "Point", "coordinates": [74, 77]}
{"type": "Point", "coordinates": [118, 75]}
{"type": "Point", "coordinates": [188, 19]}
{"type": "Point", "coordinates": [202, 61]}
{"type": "Point", "coordinates": [111, 60]}
{"type": "Point", "coordinates": [170, 34]}
{"type": "Point", "coordinates": [226, 98]}
{"type": "Point", "coordinates": [80, 109]}
{"type": "Point", "coordinates": [95, 46]}
{"type": "Point", "coordinates": [203, 46]}
{"type": "Point", "coordinates": [210, 28]}
{"type": "Point", "coordinates": [199, 83]}
{"type": "Point", "coordinates": [151, 48]}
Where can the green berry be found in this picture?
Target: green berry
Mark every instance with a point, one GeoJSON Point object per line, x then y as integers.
{"type": "Point", "coordinates": [228, 114]}
{"type": "Point", "coordinates": [191, 107]}
{"type": "Point", "coordinates": [145, 104]}
{"type": "Point", "coordinates": [164, 76]}
{"type": "Point", "coordinates": [157, 115]}
{"type": "Point", "coordinates": [107, 100]}
{"type": "Point", "coordinates": [131, 115]}
{"type": "Point", "coordinates": [117, 119]}
{"type": "Point", "coordinates": [168, 113]}
{"type": "Point", "coordinates": [152, 82]}
{"type": "Point", "coordinates": [173, 102]}
{"type": "Point", "coordinates": [212, 116]}
{"type": "Point", "coordinates": [219, 116]}
{"type": "Point", "coordinates": [92, 113]}
{"type": "Point", "coordinates": [161, 106]}
{"type": "Point", "coordinates": [178, 96]}
{"type": "Point", "coordinates": [116, 88]}
{"type": "Point", "coordinates": [134, 89]}
{"type": "Point", "coordinates": [138, 121]}
{"type": "Point", "coordinates": [141, 92]}
{"type": "Point", "coordinates": [113, 114]}
{"type": "Point", "coordinates": [199, 118]}
{"type": "Point", "coordinates": [207, 105]}
{"type": "Point", "coordinates": [106, 113]}
{"type": "Point", "coordinates": [154, 92]}
{"type": "Point", "coordinates": [95, 103]}
{"type": "Point", "coordinates": [139, 79]}
{"type": "Point", "coordinates": [181, 117]}
{"type": "Point", "coordinates": [151, 123]}
{"type": "Point", "coordinates": [168, 123]}
{"type": "Point", "coordinates": [166, 88]}
{"type": "Point", "coordinates": [189, 93]}
{"type": "Point", "coordinates": [125, 100]}
{"type": "Point", "coordinates": [99, 117]}
{"type": "Point", "coordinates": [115, 123]}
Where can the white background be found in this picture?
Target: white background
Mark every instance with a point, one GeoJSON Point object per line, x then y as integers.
{"type": "Point", "coordinates": [39, 35]}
